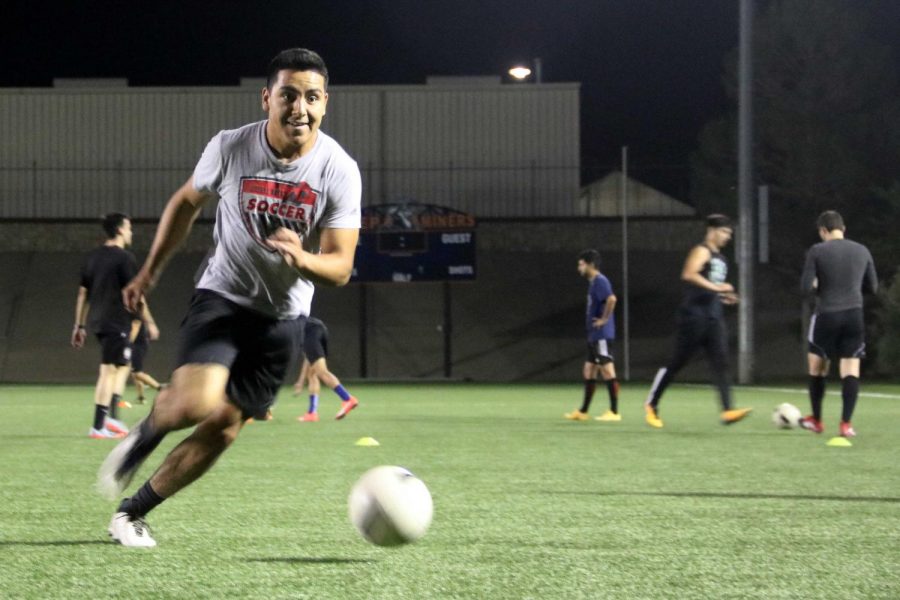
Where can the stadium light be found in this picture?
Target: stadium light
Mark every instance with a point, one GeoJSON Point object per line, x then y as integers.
{"type": "Point", "coordinates": [520, 72]}
{"type": "Point", "coordinates": [523, 72]}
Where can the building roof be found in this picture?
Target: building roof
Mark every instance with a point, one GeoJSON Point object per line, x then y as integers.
{"type": "Point", "coordinates": [603, 198]}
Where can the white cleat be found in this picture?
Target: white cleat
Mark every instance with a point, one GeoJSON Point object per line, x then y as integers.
{"type": "Point", "coordinates": [104, 434]}
{"type": "Point", "coordinates": [129, 531]}
{"type": "Point", "coordinates": [111, 481]}
{"type": "Point", "coordinates": [116, 426]}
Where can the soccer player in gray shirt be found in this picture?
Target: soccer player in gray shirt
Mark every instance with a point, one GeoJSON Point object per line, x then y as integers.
{"type": "Point", "coordinates": [838, 271]}
{"type": "Point", "coordinates": [288, 216]}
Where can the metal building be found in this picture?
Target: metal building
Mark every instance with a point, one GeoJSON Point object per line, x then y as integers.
{"type": "Point", "coordinates": [493, 149]}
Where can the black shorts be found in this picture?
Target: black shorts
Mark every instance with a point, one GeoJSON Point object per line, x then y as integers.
{"type": "Point", "coordinates": [315, 342]}
{"type": "Point", "coordinates": [257, 349]}
{"type": "Point", "coordinates": [115, 349]}
{"type": "Point", "coordinates": [139, 348]}
{"type": "Point", "coordinates": [835, 335]}
{"type": "Point", "coordinates": [599, 352]}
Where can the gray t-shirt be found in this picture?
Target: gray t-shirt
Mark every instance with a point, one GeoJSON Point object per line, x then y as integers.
{"type": "Point", "coordinates": [257, 195]}
{"type": "Point", "coordinates": [844, 269]}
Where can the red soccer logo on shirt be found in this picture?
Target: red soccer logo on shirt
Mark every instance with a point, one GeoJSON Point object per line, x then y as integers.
{"type": "Point", "coordinates": [267, 204]}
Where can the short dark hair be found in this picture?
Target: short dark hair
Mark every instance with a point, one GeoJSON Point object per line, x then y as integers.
{"type": "Point", "coordinates": [718, 220]}
{"type": "Point", "coordinates": [111, 223]}
{"type": "Point", "coordinates": [296, 59]}
{"type": "Point", "coordinates": [830, 220]}
{"type": "Point", "coordinates": [591, 257]}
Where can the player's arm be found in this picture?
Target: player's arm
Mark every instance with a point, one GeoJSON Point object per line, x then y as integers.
{"type": "Point", "coordinates": [870, 279]}
{"type": "Point", "coordinates": [82, 307]}
{"type": "Point", "coordinates": [149, 322]}
{"type": "Point", "coordinates": [608, 309]}
{"type": "Point", "coordinates": [693, 265]}
{"type": "Point", "coordinates": [174, 226]}
{"type": "Point", "coordinates": [808, 279]}
{"type": "Point", "coordinates": [333, 265]}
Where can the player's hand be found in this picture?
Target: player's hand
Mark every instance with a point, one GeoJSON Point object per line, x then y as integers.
{"type": "Point", "coordinates": [599, 322]}
{"type": "Point", "coordinates": [79, 335]}
{"type": "Point", "coordinates": [133, 293]}
{"type": "Point", "coordinates": [729, 298]}
{"type": "Point", "coordinates": [725, 288]}
{"type": "Point", "coordinates": [287, 243]}
{"type": "Point", "coordinates": [152, 331]}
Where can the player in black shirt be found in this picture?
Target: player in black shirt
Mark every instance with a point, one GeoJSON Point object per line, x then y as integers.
{"type": "Point", "coordinates": [700, 323]}
{"type": "Point", "coordinates": [838, 271]}
{"type": "Point", "coordinates": [105, 272]}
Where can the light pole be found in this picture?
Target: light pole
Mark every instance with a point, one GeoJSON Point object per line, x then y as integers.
{"type": "Point", "coordinates": [745, 254]}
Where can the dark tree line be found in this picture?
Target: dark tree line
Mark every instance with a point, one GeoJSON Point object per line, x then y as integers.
{"type": "Point", "coordinates": [827, 127]}
{"type": "Point", "coordinates": [826, 136]}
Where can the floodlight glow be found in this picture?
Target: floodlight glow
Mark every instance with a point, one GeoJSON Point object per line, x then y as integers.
{"type": "Point", "coordinates": [520, 72]}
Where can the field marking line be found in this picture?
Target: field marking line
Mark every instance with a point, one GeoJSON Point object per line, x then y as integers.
{"type": "Point", "coordinates": [759, 388]}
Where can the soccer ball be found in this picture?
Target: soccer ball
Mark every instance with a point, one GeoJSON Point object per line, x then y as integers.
{"type": "Point", "coordinates": [390, 506]}
{"type": "Point", "coordinates": [786, 416]}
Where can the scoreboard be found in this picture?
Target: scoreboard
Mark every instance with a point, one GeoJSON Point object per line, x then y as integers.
{"type": "Point", "coordinates": [409, 241]}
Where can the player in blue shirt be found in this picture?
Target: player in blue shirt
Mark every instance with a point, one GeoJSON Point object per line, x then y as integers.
{"type": "Point", "coordinates": [600, 324]}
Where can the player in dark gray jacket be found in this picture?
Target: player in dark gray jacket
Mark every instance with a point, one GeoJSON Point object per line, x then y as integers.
{"type": "Point", "coordinates": [838, 271]}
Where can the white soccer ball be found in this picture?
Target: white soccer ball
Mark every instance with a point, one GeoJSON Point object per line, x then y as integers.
{"type": "Point", "coordinates": [786, 416]}
{"type": "Point", "coordinates": [390, 506]}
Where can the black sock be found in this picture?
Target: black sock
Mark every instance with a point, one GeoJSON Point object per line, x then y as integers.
{"type": "Point", "coordinates": [144, 500]}
{"type": "Point", "coordinates": [723, 384]}
{"type": "Point", "coordinates": [147, 441]}
{"type": "Point", "coordinates": [99, 416]}
{"type": "Point", "coordinates": [816, 393]}
{"type": "Point", "coordinates": [849, 392]}
{"type": "Point", "coordinates": [612, 386]}
{"type": "Point", "coordinates": [589, 386]}
{"type": "Point", "coordinates": [114, 406]}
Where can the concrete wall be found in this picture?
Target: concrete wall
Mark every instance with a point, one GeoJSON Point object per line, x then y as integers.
{"type": "Point", "coordinates": [521, 320]}
{"type": "Point", "coordinates": [469, 146]}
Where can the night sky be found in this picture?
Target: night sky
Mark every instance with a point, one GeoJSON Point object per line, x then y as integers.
{"type": "Point", "coordinates": [650, 70]}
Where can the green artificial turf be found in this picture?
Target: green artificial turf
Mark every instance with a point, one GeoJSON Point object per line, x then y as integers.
{"type": "Point", "coordinates": [527, 504]}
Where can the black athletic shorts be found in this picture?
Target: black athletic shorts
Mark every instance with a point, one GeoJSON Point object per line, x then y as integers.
{"type": "Point", "coordinates": [315, 341]}
{"type": "Point", "coordinates": [115, 349]}
{"type": "Point", "coordinates": [257, 349]}
{"type": "Point", "coordinates": [835, 335]}
{"type": "Point", "coordinates": [599, 352]}
{"type": "Point", "coordinates": [139, 348]}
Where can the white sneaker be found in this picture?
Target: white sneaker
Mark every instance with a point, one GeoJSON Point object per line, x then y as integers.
{"type": "Point", "coordinates": [115, 425]}
{"type": "Point", "coordinates": [104, 434]}
{"type": "Point", "coordinates": [111, 481]}
{"type": "Point", "coordinates": [129, 531]}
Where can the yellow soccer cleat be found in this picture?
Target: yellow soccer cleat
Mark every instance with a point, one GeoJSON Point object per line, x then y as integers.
{"type": "Point", "coordinates": [609, 416]}
{"type": "Point", "coordinates": [652, 418]}
{"type": "Point", "coordinates": [734, 415]}
{"type": "Point", "coordinates": [577, 415]}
